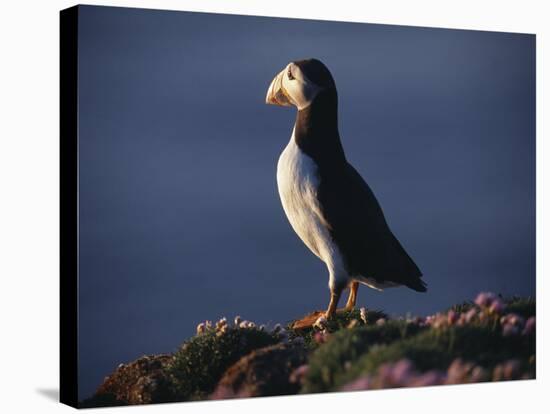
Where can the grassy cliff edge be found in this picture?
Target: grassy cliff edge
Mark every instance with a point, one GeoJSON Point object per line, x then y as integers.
{"type": "Point", "coordinates": [489, 339]}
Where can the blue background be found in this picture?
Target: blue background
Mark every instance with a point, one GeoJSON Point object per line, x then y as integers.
{"type": "Point", "coordinates": [180, 219]}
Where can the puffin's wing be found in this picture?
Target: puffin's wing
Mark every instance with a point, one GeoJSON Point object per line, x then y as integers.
{"type": "Point", "coordinates": [358, 227]}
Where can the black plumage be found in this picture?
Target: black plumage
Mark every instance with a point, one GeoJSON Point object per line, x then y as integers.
{"type": "Point", "coordinates": [352, 213]}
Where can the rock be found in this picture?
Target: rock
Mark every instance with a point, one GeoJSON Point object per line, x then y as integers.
{"type": "Point", "coordinates": [263, 372]}
{"type": "Point", "coordinates": [142, 381]}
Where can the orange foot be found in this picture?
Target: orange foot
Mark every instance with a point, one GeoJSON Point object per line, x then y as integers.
{"type": "Point", "coordinates": [309, 320]}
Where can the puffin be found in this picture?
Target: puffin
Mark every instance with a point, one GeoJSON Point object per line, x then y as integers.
{"type": "Point", "coordinates": [327, 202]}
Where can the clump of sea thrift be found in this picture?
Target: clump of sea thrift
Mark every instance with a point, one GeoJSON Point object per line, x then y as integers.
{"type": "Point", "coordinates": [508, 370]}
{"type": "Point", "coordinates": [530, 326]}
{"type": "Point", "coordinates": [222, 326]}
{"type": "Point", "coordinates": [461, 372]}
{"type": "Point", "coordinates": [488, 311]}
{"type": "Point", "coordinates": [353, 323]}
{"type": "Point", "coordinates": [381, 322]}
{"type": "Point", "coordinates": [402, 373]}
{"type": "Point", "coordinates": [490, 303]}
{"type": "Point", "coordinates": [247, 324]}
{"type": "Point", "coordinates": [394, 375]}
{"type": "Point", "coordinates": [512, 324]}
{"type": "Point", "coordinates": [417, 320]}
{"type": "Point", "coordinates": [222, 330]}
{"type": "Point", "coordinates": [452, 317]}
{"type": "Point", "coordinates": [363, 313]}
{"type": "Point", "coordinates": [321, 337]}
{"type": "Point", "coordinates": [485, 299]}
{"type": "Point", "coordinates": [436, 321]}
{"type": "Point", "coordinates": [321, 323]}
{"type": "Point", "coordinates": [297, 376]}
{"type": "Point", "coordinates": [201, 328]}
{"type": "Point", "coordinates": [221, 322]}
{"type": "Point", "coordinates": [467, 317]}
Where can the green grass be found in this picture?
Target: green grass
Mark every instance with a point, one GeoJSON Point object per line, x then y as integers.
{"type": "Point", "coordinates": [525, 307]}
{"type": "Point", "coordinates": [329, 364]}
{"type": "Point", "coordinates": [352, 353]}
{"type": "Point", "coordinates": [437, 348]}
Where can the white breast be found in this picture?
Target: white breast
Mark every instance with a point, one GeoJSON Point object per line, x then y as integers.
{"type": "Point", "coordinates": [298, 182]}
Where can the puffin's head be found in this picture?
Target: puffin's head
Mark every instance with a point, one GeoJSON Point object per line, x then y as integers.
{"type": "Point", "coordinates": [299, 83]}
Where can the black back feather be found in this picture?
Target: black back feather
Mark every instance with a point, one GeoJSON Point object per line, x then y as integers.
{"type": "Point", "coordinates": [354, 216]}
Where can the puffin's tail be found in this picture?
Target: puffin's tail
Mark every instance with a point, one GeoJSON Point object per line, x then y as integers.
{"type": "Point", "coordinates": [417, 284]}
{"type": "Point", "coordinates": [409, 273]}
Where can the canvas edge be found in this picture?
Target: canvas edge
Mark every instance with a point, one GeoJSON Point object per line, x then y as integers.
{"type": "Point", "coordinates": [68, 130]}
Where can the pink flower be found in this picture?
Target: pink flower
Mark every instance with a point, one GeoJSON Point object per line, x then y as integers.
{"type": "Point", "coordinates": [417, 320]}
{"type": "Point", "coordinates": [384, 375]}
{"type": "Point", "coordinates": [452, 317]}
{"type": "Point", "coordinates": [508, 370]}
{"type": "Point", "coordinates": [321, 323]}
{"type": "Point", "coordinates": [530, 326]}
{"type": "Point", "coordinates": [353, 323]}
{"type": "Point", "coordinates": [478, 375]}
{"type": "Point", "coordinates": [297, 376]}
{"type": "Point", "coordinates": [436, 321]}
{"type": "Point", "coordinates": [381, 322]}
{"type": "Point", "coordinates": [439, 321]}
{"type": "Point", "coordinates": [497, 306]}
{"type": "Point", "coordinates": [427, 379]}
{"type": "Point", "coordinates": [320, 337]}
{"type": "Point", "coordinates": [470, 315]}
{"type": "Point", "coordinates": [512, 324]}
{"type": "Point", "coordinates": [484, 299]}
{"type": "Point", "coordinates": [363, 313]}
{"type": "Point", "coordinates": [401, 371]}
{"type": "Point", "coordinates": [201, 328]}
{"type": "Point", "coordinates": [457, 371]}
{"type": "Point", "coordinates": [511, 368]}
{"type": "Point", "coordinates": [517, 320]}
{"type": "Point", "coordinates": [361, 383]}
{"type": "Point", "coordinates": [461, 372]}
{"type": "Point", "coordinates": [221, 323]}
{"type": "Point", "coordinates": [467, 317]}
{"type": "Point", "coordinates": [222, 392]}
{"type": "Point", "coordinates": [509, 329]}
{"type": "Point", "coordinates": [514, 319]}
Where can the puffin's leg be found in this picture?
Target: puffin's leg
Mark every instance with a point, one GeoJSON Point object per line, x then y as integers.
{"type": "Point", "coordinates": [352, 298]}
{"type": "Point", "coordinates": [335, 294]}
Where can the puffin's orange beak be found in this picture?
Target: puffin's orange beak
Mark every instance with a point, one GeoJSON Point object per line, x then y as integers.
{"type": "Point", "coordinates": [276, 94]}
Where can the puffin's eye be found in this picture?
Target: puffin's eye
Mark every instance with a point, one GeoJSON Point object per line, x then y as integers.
{"type": "Point", "coordinates": [289, 73]}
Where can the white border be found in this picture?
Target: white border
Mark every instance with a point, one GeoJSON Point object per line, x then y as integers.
{"type": "Point", "coordinates": [29, 176]}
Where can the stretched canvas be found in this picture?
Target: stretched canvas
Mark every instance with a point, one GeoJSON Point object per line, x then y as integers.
{"type": "Point", "coordinates": [258, 206]}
